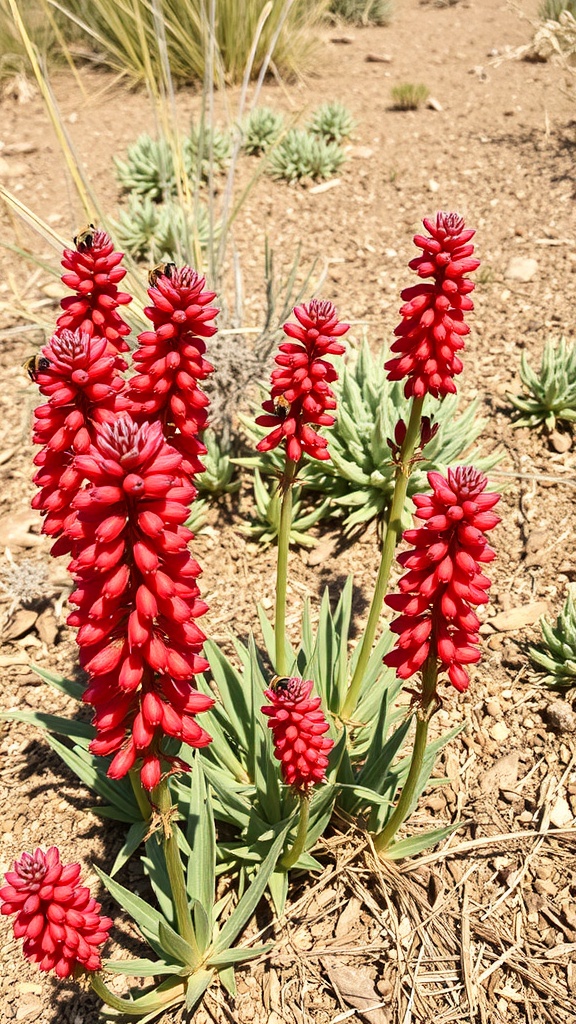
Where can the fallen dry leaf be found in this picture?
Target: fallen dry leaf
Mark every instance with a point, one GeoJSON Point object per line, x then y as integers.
{"type": "Point", "coordinates": [502, 775]}
{"type": "Point", "coordinates": [47, 626]}
{"type": "Point", "coordinates": [15, 530]}
{"type": "Point", "coordinates": [19, 624]}
{"type": "Point", "coordinates": [356, 987]}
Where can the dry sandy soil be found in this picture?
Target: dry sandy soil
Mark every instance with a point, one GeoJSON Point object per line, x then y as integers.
{"type": "Point", "coordinates": [485, 929]}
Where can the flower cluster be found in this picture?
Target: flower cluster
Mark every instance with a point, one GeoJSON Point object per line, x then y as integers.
{"type": "Point", "coordinates": [57, 917]}
{"type": "Point", "coordinates": [298, 726]}
{"type": "Point", "coordinates": [170, 362]}
{"type": "Point", "coordinates": [300, 388]}
{"type": "Point", "coordinates": [94, 273]}
{"type": "Point", "coordinates": [137, 598]}
{"type": "Point", "coordinates": [432, 330]}
{"type": "Point", "coordinates": [79, 376]}
{"type": "Point", "coordinates": [444, 579]}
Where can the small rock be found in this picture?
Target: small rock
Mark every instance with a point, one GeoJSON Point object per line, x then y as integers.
{"type": "Point", "coordinates": [324, 186]}
{"type": "Point", "coordinates": [47, 627]}
{"type": "Point", "coordinates": [323, 549]}
{"type": "Point", "coordinates": [545, 887]}
{"type": "Point", "coordinates": [516, 618]}
{"type": "Point", "coordinates": [561, 717]}
{"type": "Point", "coordinates": [560, 442]}
{"type": "Point", "coordinates": [433, 185]}
{"type": "Point", "coordinates": [561, 814]}
{"type": "Point", "coordinates": [493, 709]}
{"type": "Point", "coordinates": [361, 152]}
{"type": "Point", "coordinates": [521, 268]}
{"type": "Point", "coordinates": [29, 1007]}
{"type": "Point", "coordinates": [434, 104]}
{"type": "Point", "coordinates": [378, 58]}
{"type": "Point", "coordinates": [502, 775]}
{"type": "Point", "coordinates": [9, 170]}
{"type": "Point", "coordinates": [342, 40]}
{"type": "Point", "coordinates": [499, 732]}
{"type": "Point", "coordinates": [19, 148]}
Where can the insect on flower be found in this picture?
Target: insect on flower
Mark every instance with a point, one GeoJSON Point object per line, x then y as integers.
{"type": "Point", "coordinates": [281, 407]}
{"type": "Point", "coordinates": [160, 270]}
{"type": "Point", "coordinates": [35, 364]}
{"type": "Point", "coordinates": [84, 237]}
{"type": "Point", "coordinates": [279, 684]}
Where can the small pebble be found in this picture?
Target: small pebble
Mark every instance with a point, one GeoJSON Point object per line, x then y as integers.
{"type": "Point", "coordinates": [499, 732]}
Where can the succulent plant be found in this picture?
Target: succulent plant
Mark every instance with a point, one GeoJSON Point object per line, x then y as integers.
{"type": "Point", "coordinates": [551, 394]}
{"type": "Point", "coordinates": [408, 96]}
{"type": "Point", "coordinates": [359, 476]}
{"type": "Point", "coordinates": [155, 231]}
{"type": "Point", "coordinates": [205, 150]}
{"type": "Point", "coordinates": [303, 155]}
{"type": "Point", "coordinates": [265, 526]}
{"type": "Point", "coordinates": [557, 656]}
{"type": "Point", "coordinates": [148, 169]}
{"type": "Point", "coordinates": [218, 477]}
{"type": "Point", "coordinates": [261, 129]}
{"type": "Point", "coordinates": [332, 122]}
{"type": "Point", "coordinates": [362, 12]}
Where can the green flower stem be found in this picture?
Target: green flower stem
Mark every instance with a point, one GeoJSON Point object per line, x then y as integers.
{"type": "Point", "coordinates": [140, 794]}
{"type": "Point", "coordinates": [170, 995]}
{"type": "Point", "coordinates": [291, 856]}
{"type": "Point", "coordinates": [391, 537]}
{"type": "Point", "coordinates": [286, 485]}
{"type": "Point", "coordinates": [163, 802]}
{"type": "Point", "coordinates": [427, 707]}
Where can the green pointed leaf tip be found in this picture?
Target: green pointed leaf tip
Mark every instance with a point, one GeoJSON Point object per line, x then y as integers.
{"type": "Point", "coordinates": [557, 655]}
{"type": "Point", "coordinates": [549, 394]}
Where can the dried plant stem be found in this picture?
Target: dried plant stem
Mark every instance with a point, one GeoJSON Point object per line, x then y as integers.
{"type": "Point", "coordinates": [163, 802]}
{"type": "Point", "coordinates": [427, 707]}
{"type": "Point", "coordinates": [286, 485]}
{"type": "Point", "coordinates": [291, 856]}
{"type": "Point", "coordinates": [391, 536]}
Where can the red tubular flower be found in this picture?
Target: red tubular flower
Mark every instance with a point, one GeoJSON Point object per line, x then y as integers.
{"type": "Point", "coordinates": [300, 392]}
{"type": "Point", "coordinates": [137, 598]}
{"type": "Point", "coordinates": [170, 361]}
{"type": "Point", "coordinates": [444, 581]}
{"type": "Point", "coordinates": [81, 381]}
{"type": "Point", "coordinates": [57, 917]}
{"type": "Point", "coordinates": [298, 726]}
{"type": "Point", "coordinates": [94, 274]}
{"type": "Point", "coordinates": [432, 330]}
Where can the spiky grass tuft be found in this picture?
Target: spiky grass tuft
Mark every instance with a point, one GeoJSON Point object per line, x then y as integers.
{"type": "Point", "coordinates": [409, 96]}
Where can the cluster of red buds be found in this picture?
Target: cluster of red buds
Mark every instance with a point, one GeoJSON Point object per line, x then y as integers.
{"type": "Point", "coordinates": [432, 330]}
{"type": "Point", "coordinates": [170, 360]}
{"type": "Point", "coordinates": [300, 391]}
{"type": "Point", "coordinates": [298, 727]}
{"type": "Point", "coordinates": [94, 273]}
{"type": "Point", "coordinates": [428, 430]}
{"type": "Point", "coordinates": [57, 917]}
{"type": "Point", "coordinates": [444, 582]}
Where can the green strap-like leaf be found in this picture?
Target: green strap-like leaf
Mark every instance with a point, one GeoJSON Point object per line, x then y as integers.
{"type": "Point", "coordinates": [85, 766]}
{"type": "Point", "coordinates": [201, 835]}
{"type": "Point", "coordinates": [197, 985]}
{"type": "Point", "coordinates": [240, 955]}
{"type": "Point", "coordinates": [135, 836]}
{"type": "Point", "coordinates": [52, 723]}
{"type": "Point", "coordinates": [67, 686]}
{"type": "Point", "coordinates": [414, 844]}
{"type": "Point", "coordinates": [176, 946]}
{"type": "Point", "coordinates": [251, 897]}
{"type": "Point", "coordinates": [141, 968]}
{"type": "Point", "coordinates": [146, 917]}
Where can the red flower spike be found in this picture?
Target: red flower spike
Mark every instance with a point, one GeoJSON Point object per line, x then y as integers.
{"type": "Point", "coordinates": [82, 382]}
{"type": "Point", "coordinates": [94, 274]}
{"type": "Point", "coordinates": [137, 598]}
{"type": "Point", "coordinates": [300, 393]}
{"type": "Point", "coordinates": [170, 362]}
{"type": "Point", "coordinates": [433, 329]}
{"type": "Point", "coordinates": [444, 581]}
{"type": "Point", "coordinates": [57, 917]}
{"type": "Point", "coordinates": [298, 726]}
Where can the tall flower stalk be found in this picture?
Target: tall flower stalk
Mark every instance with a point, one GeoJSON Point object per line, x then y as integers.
{"type": "Point", "coordinates": [437, 626]}
{"type": "Point", "coordinates": [429, 335]}
{"type": "Point", "coordinates": [300, 396]}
